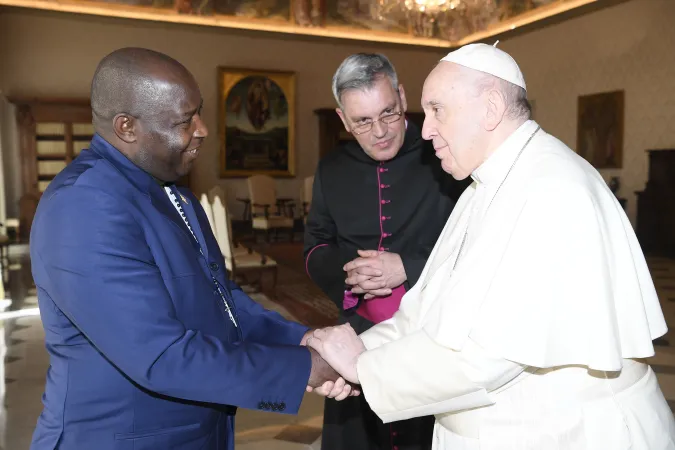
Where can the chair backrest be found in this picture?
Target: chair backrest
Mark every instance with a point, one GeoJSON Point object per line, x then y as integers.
{"type": "Point", "coordinates": [223, 232]}
{"type": "Point", "coordinates": [307, 190]}
{"type": "Point", "coordinates": [208, 210]}
{"type": "Point", "coordinates": [217, 191]}
{"type": "Point", "coordinates": [262, 190]}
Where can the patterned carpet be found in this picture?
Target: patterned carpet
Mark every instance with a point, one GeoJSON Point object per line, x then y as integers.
{"type": "Point", "coordinates": [295, 291]}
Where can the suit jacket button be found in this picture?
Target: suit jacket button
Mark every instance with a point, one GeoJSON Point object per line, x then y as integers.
{"type": "Point", "coordinates": [214, 267]}
{"type": "Point", "coordinates": [282, 406]}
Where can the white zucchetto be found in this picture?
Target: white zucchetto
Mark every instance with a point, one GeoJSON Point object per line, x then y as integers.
{"type": "Point", "coordinates": [488, 59]}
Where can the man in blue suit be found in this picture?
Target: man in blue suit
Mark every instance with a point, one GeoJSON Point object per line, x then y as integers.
{"type": "Point", "coordinates": [151, 346]}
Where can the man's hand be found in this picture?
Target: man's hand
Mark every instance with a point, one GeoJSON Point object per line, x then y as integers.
{"type": "Point", "coordinates": [340, 347]}
{"type": "Point", "coordinates": [375, 273]}
{"type": "Point", "coordinates": [321, 370]}
{"type": "Point", "coordinates": [339, 390]}
{"type": "Point", "coordinates": [325, 381]}
{"type": "Point", "coordinates": [309, 333]}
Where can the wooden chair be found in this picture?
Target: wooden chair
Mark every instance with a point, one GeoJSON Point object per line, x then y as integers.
{"type": "Point", "coordinates": [204, 200]}
{"type": "Point", "coordinates": [263, 196]}
{"type": "Point", "coordinates": [239, 263]}
{"type": "Point", "coordinates": [207, 203]}
{"type": "Point", "coordinates": [217, 191]}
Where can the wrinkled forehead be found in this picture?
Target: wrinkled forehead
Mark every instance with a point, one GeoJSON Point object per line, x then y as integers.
{"type": "Point", "coordinates": [444, 81]}
{"type": "Point", "coordinates": [370, 101]}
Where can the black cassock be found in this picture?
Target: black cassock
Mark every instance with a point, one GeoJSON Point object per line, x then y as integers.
{"type": "Point", "coordinates": [398, 206]}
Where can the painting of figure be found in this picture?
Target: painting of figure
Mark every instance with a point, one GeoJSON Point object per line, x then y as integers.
{"type": "Point", "coordinates": [600, 129]}
{"type": "Point", "coordinates": [256, 123]}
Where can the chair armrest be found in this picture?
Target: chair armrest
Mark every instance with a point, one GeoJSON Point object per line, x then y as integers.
{"type": "Point", "coordinates": [266, 212]}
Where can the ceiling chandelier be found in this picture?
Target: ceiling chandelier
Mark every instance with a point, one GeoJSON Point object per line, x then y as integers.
{"type": "Point", "coordinates": [430, 6]}
{"type": "Point", "coordinates": [449, 19]}
{"type": "Point", "coordinates": [444, 19]}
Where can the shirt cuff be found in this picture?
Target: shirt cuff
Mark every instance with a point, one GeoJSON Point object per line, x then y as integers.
{"type": "Point", "coordinates": [349, 301]}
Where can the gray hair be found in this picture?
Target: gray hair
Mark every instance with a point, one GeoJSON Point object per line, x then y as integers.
{"type": "Point", "coordinates": [515, 97]}
{"type": "Point", "coordinates": [361, 71]}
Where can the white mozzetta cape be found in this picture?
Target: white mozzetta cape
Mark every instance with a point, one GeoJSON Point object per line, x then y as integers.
{"type": "Point", "coordinates": [553, 276]}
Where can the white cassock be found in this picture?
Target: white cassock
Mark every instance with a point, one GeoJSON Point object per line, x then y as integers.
{"type": "Point", "coordinates": [530, 339]}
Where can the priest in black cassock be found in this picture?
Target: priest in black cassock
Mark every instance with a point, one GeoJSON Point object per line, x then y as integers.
{"type": "Point", "coordinates": [378, 206]}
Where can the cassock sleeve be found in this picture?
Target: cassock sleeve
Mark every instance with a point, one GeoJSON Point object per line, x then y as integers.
{"type": "Point", "coordinates": [414, 264]}
{"type": "Point", "coordinates": [324, 259]}
{"type": "Point", "coordinates": [414, 377]}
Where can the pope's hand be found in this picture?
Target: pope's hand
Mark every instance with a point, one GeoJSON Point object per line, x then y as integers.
{"type": "Point", "coordinates": [340, 347]}
{"type": "Point", "coordinates": [375, 273]}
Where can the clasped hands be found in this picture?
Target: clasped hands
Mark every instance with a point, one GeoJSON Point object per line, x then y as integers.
{"type": "Point", "coordinates": [375, 273]}
{"type": "Point", "coordinates": [335, 352]}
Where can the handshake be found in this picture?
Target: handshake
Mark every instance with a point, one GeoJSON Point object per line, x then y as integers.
{"type": "Point", "coordinates": [335, 352]}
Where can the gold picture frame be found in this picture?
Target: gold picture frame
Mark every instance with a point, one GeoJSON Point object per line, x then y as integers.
{"type": "Point", "coordinates": [256, 122]}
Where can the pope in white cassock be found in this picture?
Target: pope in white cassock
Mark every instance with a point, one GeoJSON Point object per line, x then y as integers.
{"type": "Point", "coordinates": [527, 326]}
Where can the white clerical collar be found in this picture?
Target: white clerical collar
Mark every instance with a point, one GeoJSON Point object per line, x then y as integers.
{"type": "Point", "coordinates": [496, 166]}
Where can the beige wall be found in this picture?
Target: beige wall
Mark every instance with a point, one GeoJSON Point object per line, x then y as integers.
{"type": "Point", "coordinates": [3, 181]}
{"type": "Point", "coordinates": [4, 143]}
{"type": "Point", "coordinates": [628, 46]}
{"type": "Point", "coordinates": [55, 55]}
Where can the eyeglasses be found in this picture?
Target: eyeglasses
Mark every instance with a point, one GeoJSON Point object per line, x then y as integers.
{"type": "Point", "coordinates": [366, 127]}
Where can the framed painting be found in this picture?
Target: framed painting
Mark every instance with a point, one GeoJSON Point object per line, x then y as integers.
{"type": "Point", "coordinates": [600, 124]}
{"type": "Point", "coordinates": [256, 122]}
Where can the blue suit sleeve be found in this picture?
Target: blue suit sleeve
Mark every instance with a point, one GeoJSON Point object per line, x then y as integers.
{"type": "Point", "coordinates": [257, 323]}
{"type": "Point", "coordinates": [100, 272]}
{"type": "Point", "coordinates": [261, 325]}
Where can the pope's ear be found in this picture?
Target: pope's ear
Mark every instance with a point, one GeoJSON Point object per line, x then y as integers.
{"type": "Point", "coordinates": [496, 109]}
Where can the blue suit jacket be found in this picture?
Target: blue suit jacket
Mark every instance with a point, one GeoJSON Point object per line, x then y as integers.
{"type": "Point", "coordinates": [142, 352]}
